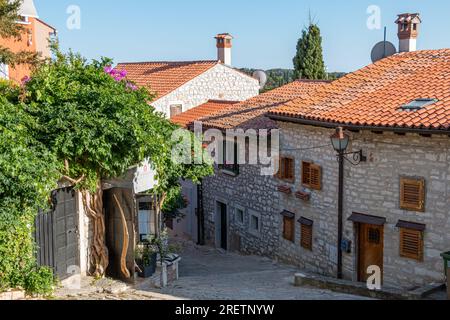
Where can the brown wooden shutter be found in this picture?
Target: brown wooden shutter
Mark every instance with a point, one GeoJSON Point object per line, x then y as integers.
{"type": "Point", "coordinates": [306, 174]}
{"type": "Point", "coordinates": [280, 163]}
{"type": "Point", "coordinates": [411, 244]}
{"type": "Point", "coordinates": [289, 229]}
{"type": "Point", "coordinates": [316, 177]}
{"type": "Point", "coordinates": [290, 170]}
{"type": "Point", "coordinates": [412, 194]}
{"type": "Point", "coordinates": [306, 236]}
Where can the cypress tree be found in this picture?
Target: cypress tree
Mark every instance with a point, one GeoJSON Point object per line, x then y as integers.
{"type": "Point", "coordinates": [308, 62]}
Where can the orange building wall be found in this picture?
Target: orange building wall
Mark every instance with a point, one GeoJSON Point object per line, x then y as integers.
{"type": "Point", "coordinates": [20, 71]}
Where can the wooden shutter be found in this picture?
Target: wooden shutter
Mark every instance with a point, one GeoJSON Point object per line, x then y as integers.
{"type": "Point", "coordinates": [306, 174]}
{"type": "Point", "coordinates": [316, 177]}
{"type": "Point", "coordinates": [289, 229]}
{"type": "Point", "coordinates": [412, 194]}
{"type": "Point", "coordinates": [411, 244]}
{"type": "Point", "coordinates": [306, 236]}
{"type": "Point", "coordinates": [287, 170]}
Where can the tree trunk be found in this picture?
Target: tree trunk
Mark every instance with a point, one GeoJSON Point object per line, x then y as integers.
{"type": "Point", "coordinates": [93, 204]}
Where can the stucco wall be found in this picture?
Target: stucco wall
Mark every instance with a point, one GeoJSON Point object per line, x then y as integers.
{"type": "Point", "coordinates": [218, 83]}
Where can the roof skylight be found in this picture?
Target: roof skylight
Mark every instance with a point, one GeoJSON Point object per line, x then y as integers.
{"type": "Point", "coordinates": [418, 104]}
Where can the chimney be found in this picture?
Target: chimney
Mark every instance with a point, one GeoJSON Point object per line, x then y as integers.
{"type": "Point", "coordinates": [408, 31]}
{"type": "Point", "coordinates": [224, 45]}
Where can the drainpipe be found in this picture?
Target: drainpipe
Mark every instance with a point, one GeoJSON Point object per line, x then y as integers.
{"type": "Point", "coordinates": [340, 214]}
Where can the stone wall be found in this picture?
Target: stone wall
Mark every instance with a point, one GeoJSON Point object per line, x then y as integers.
{"type": "Point", "coordinates": [371, 188]}
{"type": "Point", "coordinates": [218, 83]}
{"type": "Point", "coordinates": [252, 193]}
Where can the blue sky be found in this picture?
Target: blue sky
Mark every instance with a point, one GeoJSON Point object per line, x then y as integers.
{"type": "Point", "coordinates": [266, 31]}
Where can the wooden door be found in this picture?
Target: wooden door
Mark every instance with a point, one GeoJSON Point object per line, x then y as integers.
{"type": "Point", "coordinates": [371, 247]}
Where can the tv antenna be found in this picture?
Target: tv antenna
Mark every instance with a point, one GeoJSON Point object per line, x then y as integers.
{"type": "Point", "coordinates": [383, 49]}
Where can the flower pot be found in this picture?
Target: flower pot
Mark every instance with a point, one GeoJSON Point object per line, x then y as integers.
{"type": "Point", "coordinates": [147, 270]}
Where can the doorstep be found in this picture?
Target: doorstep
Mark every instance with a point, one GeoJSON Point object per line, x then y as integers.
{"type": "Point", "coordinates": [358, 288]}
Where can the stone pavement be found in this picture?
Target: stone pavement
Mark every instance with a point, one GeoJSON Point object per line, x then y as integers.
{"type": "Point", "coordinates": [207, 273]}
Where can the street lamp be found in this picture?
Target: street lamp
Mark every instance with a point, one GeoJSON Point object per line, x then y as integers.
{"type": "Point", "coordinates": [340, 142]}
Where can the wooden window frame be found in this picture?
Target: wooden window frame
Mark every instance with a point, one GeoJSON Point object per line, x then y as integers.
{"type": "Point", "coordinates": [419, 235]}
{"type": "Point", "coordinates": [306, 236]}
{"type": "Point", "coordinates": [283, 174]}
{"type": "Point", "coordinates": [409, 205]}
{"type": "Point", "coordinates": [175, 106]}
{"type": "Point", "coordinates": [311, 176]}
{"type": "Point", "coordinates": [289, 223]}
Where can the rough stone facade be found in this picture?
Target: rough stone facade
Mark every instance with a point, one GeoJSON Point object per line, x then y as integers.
{"type": "Point", "coordinates": [218, 83]}
{"type": "Point", "coordinates": [251, 193]}
{"type": "Point", "coordinates": [371, 188]}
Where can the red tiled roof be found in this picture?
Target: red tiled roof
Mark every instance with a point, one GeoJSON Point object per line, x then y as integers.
{"type": "Point", "coordinates": [162, 78]}
{"type": "Point", "coordinates": [250, 114]}
{"type": "Point", "coordinates": [194, 114]}
{"type": "Point", "coordinates": [374, 95]}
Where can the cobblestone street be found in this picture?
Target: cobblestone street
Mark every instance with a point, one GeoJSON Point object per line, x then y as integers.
{"type": "Point", "coordinates": [206, 273]}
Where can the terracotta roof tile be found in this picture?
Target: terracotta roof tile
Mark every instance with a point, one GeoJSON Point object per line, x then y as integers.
{"type": "Point", "coordinates": [374, 95]}
{"type": "Point", "coordinates": [161, 78]}
{"type": "Point", "coordinates": [209, 108]}
{"type": "Point", "coordinates": [250, 114]}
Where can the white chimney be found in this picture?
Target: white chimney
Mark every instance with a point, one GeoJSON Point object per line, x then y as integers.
{"type": "Point", "coordinates": [224, 45]}
{"type": "Point", "coordinates": [408, 31]}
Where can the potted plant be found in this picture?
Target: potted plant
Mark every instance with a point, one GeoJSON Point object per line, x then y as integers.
{"type": "Point", "coordinates": [146, 257]}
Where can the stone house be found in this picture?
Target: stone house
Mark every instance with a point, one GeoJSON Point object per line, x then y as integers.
{"type": "Point", "coordinates": [395, 201]}
{"type": "Point", "coordinates": [35, 38]}
{"type": "Point", "coordinates": [181, 86]}
{"type": "Point", "coordinates": [238, 207]}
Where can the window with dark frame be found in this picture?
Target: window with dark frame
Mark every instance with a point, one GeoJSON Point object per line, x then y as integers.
{"type": "Point", "coordinates": [287, 169]}
{"type": "Point", "coordinates": [412, 194]}
{"type": "Point", "coordinates": [240, 216]}
{"type": "Point", "coordinates": [311, 176]}
{"type": "Point", "coordinates": [230, 167]}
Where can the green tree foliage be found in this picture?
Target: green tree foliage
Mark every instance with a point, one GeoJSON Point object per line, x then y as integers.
{"type": "Point", "coordinates": [308, 62]}
{"type": "Point", "coordinates": [98, 126]}
{"type": "Point", "coordinates": [28, 172]}
{"type": "Point", "coordinates": [9, 28]}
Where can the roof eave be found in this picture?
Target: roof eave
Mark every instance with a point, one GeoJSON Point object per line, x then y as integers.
{"type": "Point", "coordinates": [332, 125]}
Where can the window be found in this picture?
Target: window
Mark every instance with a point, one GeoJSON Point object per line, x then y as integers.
{"type": "Point", "coordinates": [4, 71]}
{"type": "Point", "coordinates": [306, 231]}
{"type": "Point", "coordinates": [288, 225]}
{"type": "Point", "coordinates": [374, 235]}
{"type": "Point", "coordinates": [404, 26]}
{"type": "Point", "coordinates": [239, 215]}
{"type": "Point", "coordinates": [175, 109]}
{"type": "Point", "coordinates": [418, 104]}
{"type": "Point", "coordinates": [415, 26]}
{"type": "Point", "coordinates": [311, 176]}
{"type": "Point", "coordinates": [146, 220]}
{"type": "Point", "coordinates": [411, 244]}
{"type": "Point", "coordinates": [286, 170]}
{"type": "Point", "coordinates": [226, 165]}
{"type": "Point", "coordinates": [412, 194]}
{"type": "Point", "coordinates": [255, 223]}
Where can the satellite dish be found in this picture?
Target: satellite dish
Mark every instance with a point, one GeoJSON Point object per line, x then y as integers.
{"type": "Point", "coordinates": [382, 50]}
{"type": "Point", "coordinates": [261, 76]}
